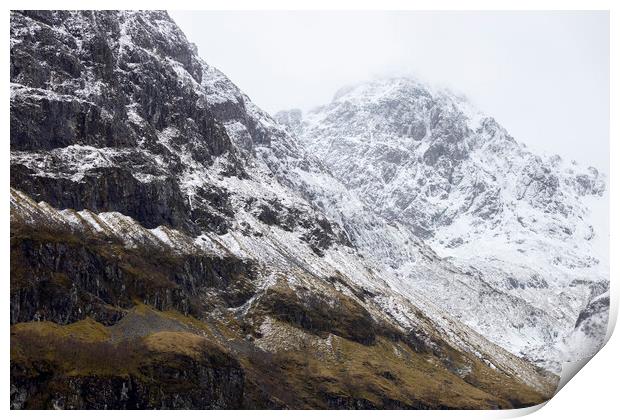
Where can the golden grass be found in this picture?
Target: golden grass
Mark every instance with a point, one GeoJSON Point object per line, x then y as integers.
{"type": "Point", "coordinates": [183, 343]}
{"type": "Point", "coordinates": [298, 377]}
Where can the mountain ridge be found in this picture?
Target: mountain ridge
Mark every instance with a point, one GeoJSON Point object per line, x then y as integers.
{"type": "Point", "coordinates": [142, 216]}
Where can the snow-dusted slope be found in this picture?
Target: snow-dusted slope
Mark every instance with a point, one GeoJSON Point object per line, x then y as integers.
{"type": "Point", "coordinates": [518, 223]}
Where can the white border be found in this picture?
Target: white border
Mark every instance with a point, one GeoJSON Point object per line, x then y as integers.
{"type": "Point", "coordinates": [593, 395]}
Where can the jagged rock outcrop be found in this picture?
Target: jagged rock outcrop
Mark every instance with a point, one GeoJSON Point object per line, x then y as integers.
{"type": "Point", "coordinates": [139, 129]}
{"type": "Point", "coordinates": [590, 333]}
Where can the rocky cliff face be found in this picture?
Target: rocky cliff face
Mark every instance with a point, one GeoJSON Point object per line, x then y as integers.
{"type": "Point", "coordinates": [172, 246]}
{"type": "Point", "coordinates": [521, 223]}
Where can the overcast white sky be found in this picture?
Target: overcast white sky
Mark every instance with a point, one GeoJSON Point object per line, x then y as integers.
{"type": "Point", "coordinates": [543, 75]}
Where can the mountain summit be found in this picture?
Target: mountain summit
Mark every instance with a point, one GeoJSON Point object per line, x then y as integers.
{"type": "Point", "coordinates": [428, 159]}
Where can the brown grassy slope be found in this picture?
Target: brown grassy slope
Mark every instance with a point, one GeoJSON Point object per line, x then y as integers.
{"type": "Point", "coordinates": [349, 375]}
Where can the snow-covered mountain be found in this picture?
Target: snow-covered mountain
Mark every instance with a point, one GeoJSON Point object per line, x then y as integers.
{"type": "Point", "coordinates": [519, 224]}
{"type": "Point", "coordinates": [158, 214]}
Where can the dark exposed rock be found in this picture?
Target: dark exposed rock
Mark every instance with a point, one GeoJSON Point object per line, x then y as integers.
{"type": "Point", "coordinates": [336, 402]}
{"type": "Point", "coordinates": [61, 277]}
{"type": "Point", "coordinates": [43, 121]}
{"type": "Point", "coordinates": [162, 378]}
{"type": "Point", "coordinates": [320, 314]}
{"type": "Point", "coordinates": [155, 203]}
{"type": "Point", "coordinates": [595, 307]}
